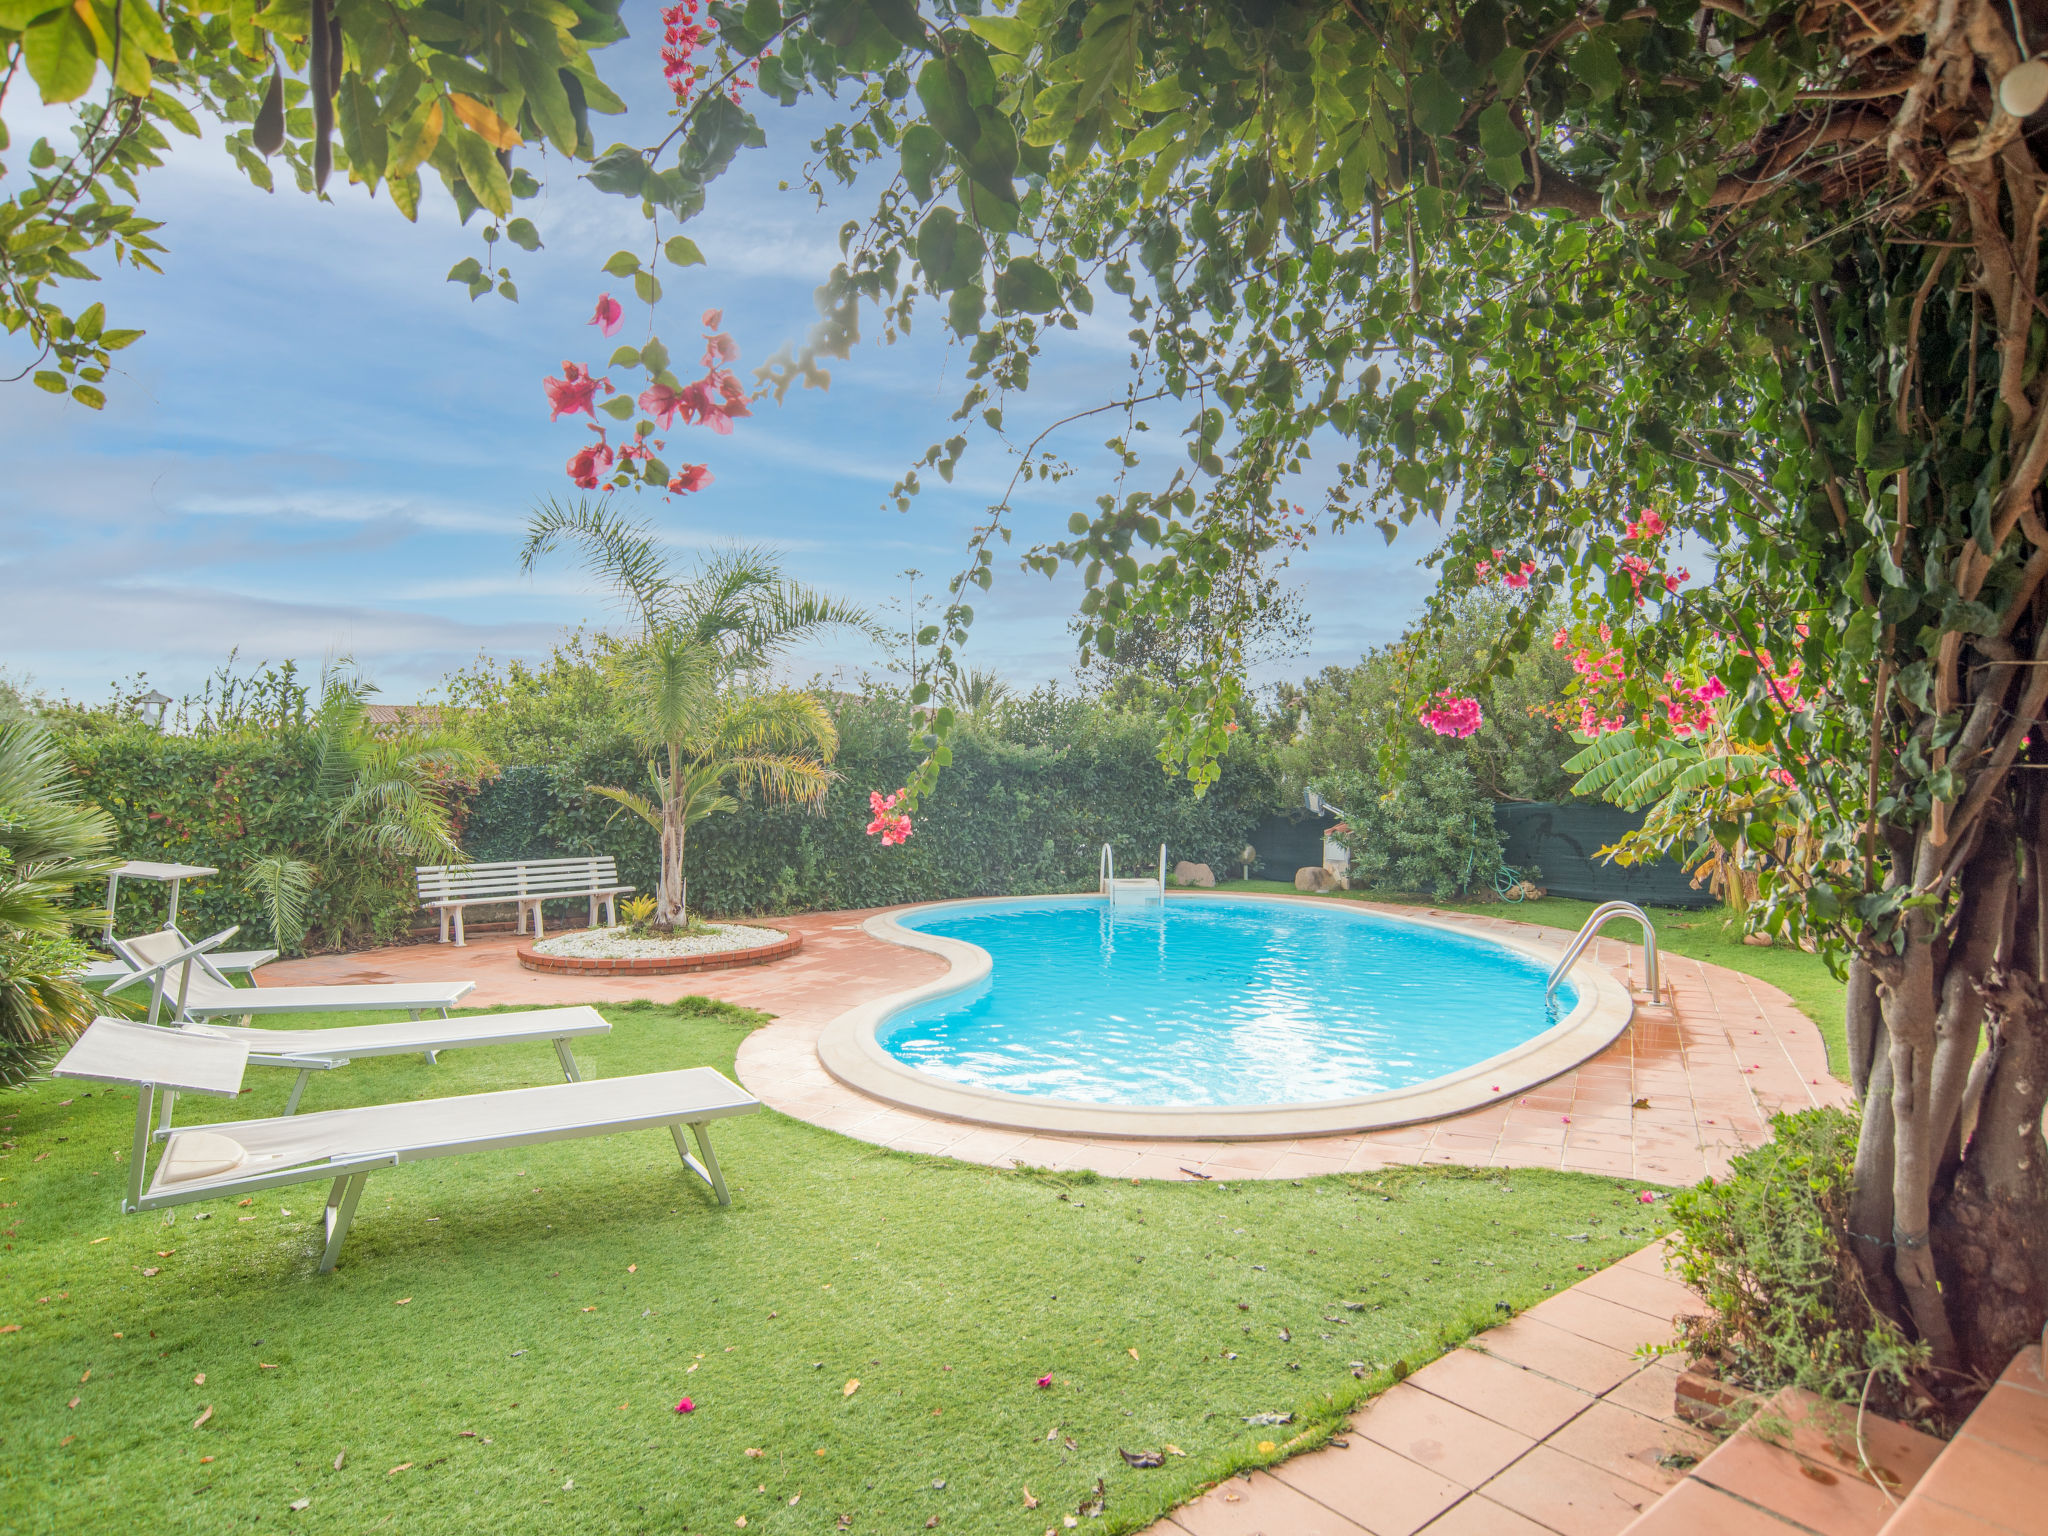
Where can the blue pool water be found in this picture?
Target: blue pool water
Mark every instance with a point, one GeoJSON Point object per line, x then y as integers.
{"type": "Point", "coordinates": [1215, 1002]}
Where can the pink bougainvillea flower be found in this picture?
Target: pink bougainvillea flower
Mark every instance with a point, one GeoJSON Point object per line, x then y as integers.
{"type": "Point", "coordinates": [1453, 716]}
{"type": "Point", "coordinates": [662, 403]}
{"type": "Point", "coordinates": [691, 477]}
{"type": "Point", "coordinates": [893, 827]}
{"type": "Point", "coordinates": [1713, 688]}
{"type": "Point", "coordinates": [1560, 640]}
{"type": "Point", "coordinates": [1648, 526]}
{"type": "Point", "coordinates": [1045, 1381]}
{"type": "Point", "coordinates": [637, 450]}
{"type": "Point", "coordinates": [686, 1406]}
{"type": "Point", "coordinates": [713, 318]}
{"type": "Point", "coordinates": [719, 348]}
{"type": "Point", "coordinates": [1520, 579]}
{"type": "Point", "coordinates": [1646, 1198]}
{"type": "Point", "coordinates": [573, 391]}
{"type": "Point", "coordinates": [608, 315]}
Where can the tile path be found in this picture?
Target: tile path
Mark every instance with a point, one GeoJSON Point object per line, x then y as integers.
{"type": "Point", "coordinates": [1687, 1086]}
{"type": "Point", "coordinates": [1548, 1425]}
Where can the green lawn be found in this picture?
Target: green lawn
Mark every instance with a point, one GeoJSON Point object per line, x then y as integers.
{"type": "Point", "coordinates": [1709, 934]}
{"type": "Point", "coordinates": [507, 1336]}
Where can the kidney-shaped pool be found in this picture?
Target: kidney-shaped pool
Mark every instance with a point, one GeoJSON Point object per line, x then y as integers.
{"type": "Point", "coordinates": [1214, 1002]}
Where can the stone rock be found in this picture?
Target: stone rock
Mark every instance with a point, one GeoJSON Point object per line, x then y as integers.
{"type": "Point", "coordinates": [1313, 877]}
{"type": "Point", "coordinates": [1185, 873]}
{"type": "Point", "coordinates": [1757, 940]}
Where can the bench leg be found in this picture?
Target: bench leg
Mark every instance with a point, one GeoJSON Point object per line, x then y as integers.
{"type": "Point", "coordinates": [593, 911]}
{"type": "Point", "coordinates": [341, 1210]}
{"type": "Point", "coordinates": [444, 925]}
{"type": "Point", "coordinates": [459, 941]}
{"type": "Point", "coordinates": [291, 1105]}
{"type": "Point", "coordinates": [138, 1157]}
{"type": "Point", "coordinates": [611, 911]}
{"type": "Point", "coordinates": [569, 1073]}
{"type": "Point", "coordinates": [170, 1102]}
{"type": "Point", "coordinates": [539, 931]}
{"type": "Point", "coordinates": [708, 1169]}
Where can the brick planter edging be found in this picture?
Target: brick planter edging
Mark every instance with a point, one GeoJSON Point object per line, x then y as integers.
{"type": "Point", "coordinates": [659, 965]}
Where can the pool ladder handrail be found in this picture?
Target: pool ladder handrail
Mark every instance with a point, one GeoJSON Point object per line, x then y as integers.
{"type": "Point", "coordinates": [1590, 930]}
{"type": "Point", "coordinates": [1105, 874]}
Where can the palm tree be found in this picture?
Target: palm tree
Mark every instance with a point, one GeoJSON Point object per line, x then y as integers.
{"type": "Point", "coordinates": [701, 636]}
{"type": "Point", "coordinates": [976, 691]}
{"type": "Point", "coordinates": [49, 841]}
{"type": "Point", "coordinates": [392, 797]}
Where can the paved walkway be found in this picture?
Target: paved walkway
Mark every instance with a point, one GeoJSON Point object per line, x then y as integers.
{"type": "Point", "coordinates": [1545, 1426]}
{"type": "Point", "coordinates": [1686, 1086]}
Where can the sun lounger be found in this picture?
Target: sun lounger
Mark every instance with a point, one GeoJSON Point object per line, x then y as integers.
{"type": "Point", "coordinates": [228, 962]}
{"type": "Point", "coordinates": [180, 974]}
{"type": "Point", "coordinates": [347, 1145]}
{"type": "Point", "coordinates": [322, 1050]}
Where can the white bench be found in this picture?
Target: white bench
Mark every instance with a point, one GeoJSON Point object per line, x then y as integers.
{"type": "Point", "coordinates": [526, 883]}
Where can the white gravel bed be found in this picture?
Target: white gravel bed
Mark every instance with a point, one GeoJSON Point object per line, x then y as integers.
{"type": "Point", "coordinates": [617, 944]}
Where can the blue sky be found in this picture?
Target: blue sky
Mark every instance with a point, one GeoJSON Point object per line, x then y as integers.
{"type": "Point", "coordinates": [321, 448]}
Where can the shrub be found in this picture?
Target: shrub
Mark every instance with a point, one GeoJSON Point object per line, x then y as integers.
{"type": "Point", "coordinates": [1768, 1249]}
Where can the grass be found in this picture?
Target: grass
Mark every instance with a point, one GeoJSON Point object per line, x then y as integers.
{"type": "Point", "coordinates": [506, 1338]}
{"type": "Point", "coordinates": [1709, 934]}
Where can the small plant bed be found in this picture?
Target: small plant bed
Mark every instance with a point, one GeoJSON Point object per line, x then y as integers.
{"type": "Point", "coordinates": [862, 1334]}
{"type": "Point", "coordinates": [639, 950]}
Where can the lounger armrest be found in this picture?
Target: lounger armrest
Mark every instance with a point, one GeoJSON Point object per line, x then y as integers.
{"type": "Point", "coordinates": [189, 952]}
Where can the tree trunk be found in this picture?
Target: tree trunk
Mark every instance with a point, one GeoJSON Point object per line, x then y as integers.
{"type": "Point", "coordinates": [668, 904]}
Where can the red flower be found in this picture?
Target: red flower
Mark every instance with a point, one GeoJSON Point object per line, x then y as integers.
{"type": "Point", "coordinates": [720, 348]}
{"type": "Point", "coordinates": [1458, 717]}
{"type": "Point", "coordinates": [712, 318]}
{"type": "Point", "coordinates": [573, 391]}
{"type": "Point", "coordinates": [586, 464]}
{"type": "Point", "coordinates": [686, 1406]}
{"type": "Point", "coordinates": [608, 315]}
{"type": "Point", "coordinates": [894, 828]}
{"type": "Point", "coordinates": [692, 477]}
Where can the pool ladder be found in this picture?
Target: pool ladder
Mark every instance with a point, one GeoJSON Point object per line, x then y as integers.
{"type": "Point", "coordinates": [1141, 889]}
{"type": "Point", "coordinates": [1590, 929]}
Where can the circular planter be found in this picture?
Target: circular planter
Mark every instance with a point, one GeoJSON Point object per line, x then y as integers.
{"type": "Point", "coordinates": [660, 965]}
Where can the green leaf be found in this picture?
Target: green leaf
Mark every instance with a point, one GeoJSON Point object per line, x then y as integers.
{"type": "Point", "coordinates": [949, 251]}
{"type": "Point", "coordinates": [522, 234]}
{"type": "Point", "coordinates": [86, 395]}
{"type": "Point", "coordinates": [625, 357]}
{"type": "Point", "coordinates": [654, 355]}
{"type": "Point", "coordinates": [924, 152]}
{"type": "Point", "coordinates": [1005, 33]}
{"type": "Point", "coordinates": [621, 170]}
{"type": "Point", "coordinates": [648, 287]}
{"type": "Point", "coordinates": [1436, 106]}
{"type": "Point", "coordinates": [114, 341]}
{"type": "Point", "coordinates": [963, 314]}
{"type": "Point", "coordinates": [467, 270]}
{"type": "Point", "coordinates": [91, 321]}
{"type": "Point", "coordinates": [618, 407]}
{"type": "Point", "coordinates": [622, 264]}
{"type": "Point", "coordinates": [480, 168]}
{"type": "Point", "coordinates": [15, 15]}
{"type": "Point", "coordinates": [1597, 63]}
{"type": "Point", "coordinates": [1026, 285]}
{"type": "Point", "coordinates": [683, 252]}
{"type": "Point", "coordinates": [51, 380]}
{"type": "Point", "coordinates": [61, 57]}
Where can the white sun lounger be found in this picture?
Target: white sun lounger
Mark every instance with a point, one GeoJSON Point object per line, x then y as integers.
{"type": "Point", "coordinates": [228, 962]}
{"type": "Point", "coordinates": [322, 1050]}
{"type": "Point", "coordinates": [181, 974]}
{"type": "Point", "coordinates": [243, 1157]}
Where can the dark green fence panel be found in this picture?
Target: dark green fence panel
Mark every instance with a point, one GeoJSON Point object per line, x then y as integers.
{"type": "Point", "coordinates": [1564, 843]}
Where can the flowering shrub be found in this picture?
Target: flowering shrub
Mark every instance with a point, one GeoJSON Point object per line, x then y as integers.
{"type": "Point", "coordinates": [714, 400]}
{"type": "Point", "coordinates": [893, 825]}
{"type": "Point", "coordinates": [1453, 716]}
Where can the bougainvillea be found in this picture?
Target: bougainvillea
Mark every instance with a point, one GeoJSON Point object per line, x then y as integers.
{"type": "Point", "coordinates": [714, 400]}
{"type": "Point", "coordinates": [892, 824]}
{"type": "Point", "coordinates": [687, 33]}
{"type": "Point", "coordinates": [1453, 716]}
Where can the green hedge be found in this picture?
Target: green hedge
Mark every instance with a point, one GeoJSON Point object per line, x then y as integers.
{"type": "Point", "coordinates": [1021, 810]}
{"type": "Point", "coordinates": [226, 800]}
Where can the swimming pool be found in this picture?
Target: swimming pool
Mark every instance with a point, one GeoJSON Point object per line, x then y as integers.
{"type": "Point", "coordinates": [1218, 1015]}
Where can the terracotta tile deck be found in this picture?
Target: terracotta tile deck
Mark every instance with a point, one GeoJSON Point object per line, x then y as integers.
{"type": "Point", "coordinates": [1539, 1427]}
{"type": "Point", "coordinates": [1709, 1067]}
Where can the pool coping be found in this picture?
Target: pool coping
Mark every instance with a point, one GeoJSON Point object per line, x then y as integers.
{"type": "Point", "coordinates": [849, 1051]}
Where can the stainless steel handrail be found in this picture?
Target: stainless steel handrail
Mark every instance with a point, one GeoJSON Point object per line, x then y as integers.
{"type": "Point", "coordinates": [1590, 930]}
{"type": "Point", "coordinates": [1105, 870]}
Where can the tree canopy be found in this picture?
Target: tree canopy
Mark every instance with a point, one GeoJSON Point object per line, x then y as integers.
{"type": "Point", "coordinates": [1768, 271]}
